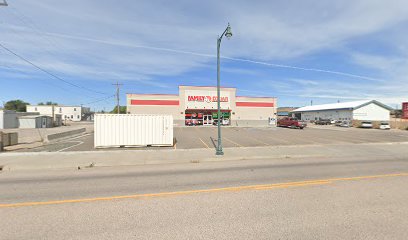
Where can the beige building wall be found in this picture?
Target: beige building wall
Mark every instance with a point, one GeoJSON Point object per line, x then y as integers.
{"type": "Point", "coordinates": [207, 91]}
{"type": "Point", "coordinates": [245, 111]}
{"type": "Point", "coordinates": [254, 111]}
{"type": "Point", "coordinates": [145, 105]}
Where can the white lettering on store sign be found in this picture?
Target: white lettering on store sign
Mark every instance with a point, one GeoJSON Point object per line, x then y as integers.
{"type": "Point", "coordinates": [206, 99]}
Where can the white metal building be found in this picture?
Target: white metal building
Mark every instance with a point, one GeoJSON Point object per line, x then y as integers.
{"type": "Point", "coordinates": [35, 121]}
{"type": "Point", "coordinates": [72, 113]}
{"type": "Point", "coordinates": [8, 119]}
{"type": "Point", "coordinates": [367, 110]}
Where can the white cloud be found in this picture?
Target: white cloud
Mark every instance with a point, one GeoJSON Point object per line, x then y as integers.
{"type": "Point", "coordinates": [142, 40]}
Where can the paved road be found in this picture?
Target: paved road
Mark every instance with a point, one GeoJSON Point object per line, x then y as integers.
{"type": "Point", "coordinates": [205, 137]}
{"type": "Point", "coordinates": [258, 199]}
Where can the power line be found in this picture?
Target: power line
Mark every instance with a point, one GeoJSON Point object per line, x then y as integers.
{"type": "Point", "coordinates": [26, 21]}
{"type": "Point", "coordinates": [113, 43]}
{"type": "Point", "coordinates": [117, 84]}
{"type": "Point", "coordinates": [100, 100]}
{"type": "Point", "coordinates": [47, 72]}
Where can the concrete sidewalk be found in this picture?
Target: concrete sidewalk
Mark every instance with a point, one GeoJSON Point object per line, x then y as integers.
{"type": "Point", "coordinates": [73, 160]}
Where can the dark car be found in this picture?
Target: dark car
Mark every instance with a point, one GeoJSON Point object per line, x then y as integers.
{"type": "Point", "coordinates": [323, 122]}
{"type": "Point", "coordinates": [291, 122]}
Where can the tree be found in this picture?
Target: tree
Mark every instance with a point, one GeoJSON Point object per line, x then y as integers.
{"type": "Point", "coordinates": [16, 105]}
{"type": "Point", "coordinates": [122, 110]}
{"type": "Point", "coordinates": [49, 103]}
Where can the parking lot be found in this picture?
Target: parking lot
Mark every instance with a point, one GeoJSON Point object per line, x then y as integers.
{"type": "Point", "coordinates": [203, 137]}
{"type": "Point", "coordinates": [206, 137]}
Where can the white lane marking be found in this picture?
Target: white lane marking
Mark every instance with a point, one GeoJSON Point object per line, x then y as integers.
{"type": "Point", "coordinates": [330, 129]}
{"type": "Point", "coordinates": [85, 135]}
{"type": "Point", "coordinates": [78, 143]}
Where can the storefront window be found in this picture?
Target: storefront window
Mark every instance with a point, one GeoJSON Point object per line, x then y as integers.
{"type": "Point", "coordinates": [205, 117]}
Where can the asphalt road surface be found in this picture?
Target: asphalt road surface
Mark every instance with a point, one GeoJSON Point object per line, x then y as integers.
{"type": "Point", "coordinates": [205, 137]}
{"type": "Point", "coordinates": [255, 199]}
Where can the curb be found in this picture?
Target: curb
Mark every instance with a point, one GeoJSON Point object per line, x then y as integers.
{"type": "Point", "coordinates": [77, 160]}
{"type": "Point", "coordinates": [55, 136]}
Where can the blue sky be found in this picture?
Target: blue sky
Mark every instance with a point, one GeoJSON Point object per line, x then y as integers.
{"type": "Point", "coordinates": [298, 51]}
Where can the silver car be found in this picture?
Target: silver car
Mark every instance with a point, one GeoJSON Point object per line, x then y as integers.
{"type": "Point", "coordinates": [366, 124]}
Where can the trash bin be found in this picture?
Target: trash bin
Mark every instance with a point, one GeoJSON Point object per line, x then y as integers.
{"type": "Point", "coordinates": [13, 138]}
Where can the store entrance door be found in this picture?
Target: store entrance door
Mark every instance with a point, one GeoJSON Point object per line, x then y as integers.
{"type": "Point", "coordinates": [207, 120]}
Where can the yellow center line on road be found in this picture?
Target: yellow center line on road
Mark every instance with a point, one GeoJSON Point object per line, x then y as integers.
{"type": "Point", "coordinates": [226, 189]}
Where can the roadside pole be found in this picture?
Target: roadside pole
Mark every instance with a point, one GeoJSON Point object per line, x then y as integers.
{"type": "Point", "coordinates": [117, 84]}
{"type": "Point", "coordinates": [1, 141]}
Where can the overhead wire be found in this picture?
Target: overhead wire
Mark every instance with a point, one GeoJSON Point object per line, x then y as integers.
{"type": "Point", "coordinates": [213, 56]}
{"type": "Point", "coordinates": [26, 21]}
{"type": "Point", "coordinates": [100, 100]}
{"type": "Point", "coordinates": [45, 71]}
{"type": "Point", "coordinates": [38, 32]}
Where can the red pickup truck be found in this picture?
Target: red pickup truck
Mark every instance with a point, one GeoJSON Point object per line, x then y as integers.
{"type": "Point", "coordinates": [291, 122]}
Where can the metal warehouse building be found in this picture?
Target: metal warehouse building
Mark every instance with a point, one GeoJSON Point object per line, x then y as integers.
{"type": "Point", "coordinates": [198, 106]}
{"type": "Point", "coordinates": [8, 119]}
{"type": "Point", "coordinates": [369, 110]}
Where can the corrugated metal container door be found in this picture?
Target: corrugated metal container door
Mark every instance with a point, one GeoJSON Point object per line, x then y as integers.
{"type": "Point", "coordinates": [113, 130]}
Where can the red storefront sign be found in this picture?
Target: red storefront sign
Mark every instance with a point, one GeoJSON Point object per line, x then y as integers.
{"type": "Point", "coordinates": [206, 99]}
{"type": "Point", "coordinates": [254, 104]}
{"type": "Point", "coordinates": [405, 110]}
{"type": "Point", "coordinates": [154, 102]}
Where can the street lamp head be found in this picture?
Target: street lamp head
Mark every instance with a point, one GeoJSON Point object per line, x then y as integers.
{"type": "Point", "coordinates": [4, 3]}
{"type": "Point", "coordinates": [228, 33]}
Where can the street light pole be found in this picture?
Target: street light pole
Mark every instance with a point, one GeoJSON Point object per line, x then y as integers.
{"type": "Point", "coordinates": [228, 34]}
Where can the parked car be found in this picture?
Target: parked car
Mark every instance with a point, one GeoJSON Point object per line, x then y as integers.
{"type": "Point", "coordinates": [344, 124]}
{"type": "Point", "coordinates": [333, 121]}
{"type": "Point", "coordinates": [366, 124]}
{"type": "Point", "coordinates": [291, 122]}
{"type": "Point", "coordinates": [385, 126]}
{"type": "Point", "coordinates": [323, 122]}
{"type": "Point", "coordinates": [338, 123]}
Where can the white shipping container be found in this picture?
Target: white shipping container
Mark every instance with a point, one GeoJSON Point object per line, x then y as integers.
{"type": "Point", "coordinates": [114, 130]}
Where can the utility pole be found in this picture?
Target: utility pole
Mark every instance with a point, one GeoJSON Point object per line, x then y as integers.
{"type": "Point", "coordinates": [53, 115]}
{"type": "Point", "coordinates": [117, 84]}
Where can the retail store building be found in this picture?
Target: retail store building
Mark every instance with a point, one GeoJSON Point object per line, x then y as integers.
{"type": "Point", "coordinates": [198, 106]}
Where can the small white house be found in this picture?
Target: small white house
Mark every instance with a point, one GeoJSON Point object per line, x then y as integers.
{"type": "Point", "coordinates": [368, 110]}
{"type": "Point", "coordinates": [71, 113]}
{"type": "Point", "coordinates": [8, 119]}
